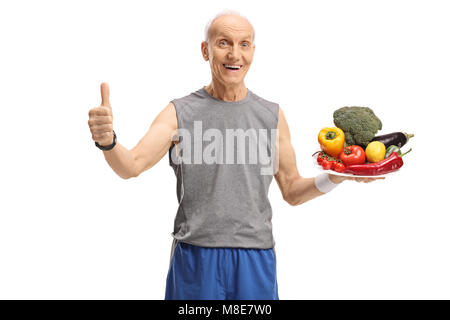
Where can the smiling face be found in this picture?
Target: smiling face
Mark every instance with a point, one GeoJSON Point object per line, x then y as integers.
{"type": "Point", "coordinates": [230, 49]}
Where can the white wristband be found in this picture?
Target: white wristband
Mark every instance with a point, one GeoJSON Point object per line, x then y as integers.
{"type": "Point", "coordinates": [323, 183]}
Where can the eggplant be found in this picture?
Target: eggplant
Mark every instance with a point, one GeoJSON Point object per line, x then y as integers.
{"type": "Point", "coordinates": [398, 139]}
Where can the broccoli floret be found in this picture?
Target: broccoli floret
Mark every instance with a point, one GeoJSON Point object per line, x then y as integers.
{"type": "Point", "coordinates": [360, 124]}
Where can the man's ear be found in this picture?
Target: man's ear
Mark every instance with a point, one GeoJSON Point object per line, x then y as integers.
{"type": "Point", "coordinates": [205, 53]}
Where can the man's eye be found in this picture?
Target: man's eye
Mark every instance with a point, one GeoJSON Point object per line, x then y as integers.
{"type": "Point", "coordinates": [245, 43]}
{"type": "Point", "coordinates": [223, 42]}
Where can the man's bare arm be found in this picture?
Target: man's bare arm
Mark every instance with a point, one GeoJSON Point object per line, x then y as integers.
{"type": "Point", "coordinates": [294, 188]}
{"type": "Point", "coordinates": [149, 150]}
{"type": "Point", "coordinates": [157, 141]}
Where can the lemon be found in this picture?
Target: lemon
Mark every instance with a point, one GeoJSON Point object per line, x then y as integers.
{"type": "Point", "coordinates": [375, 151]}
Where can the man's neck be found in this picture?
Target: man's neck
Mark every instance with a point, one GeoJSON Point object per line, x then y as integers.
{"type": "Point", "coordinates": [226, 93]}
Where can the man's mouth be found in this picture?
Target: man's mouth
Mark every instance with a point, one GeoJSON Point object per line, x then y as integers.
{"type": "Point", "coordinates": [233, 67]}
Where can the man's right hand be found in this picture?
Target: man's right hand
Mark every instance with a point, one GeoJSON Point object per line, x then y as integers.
{"type": "Point", "coordinates": [150, 149]}
{"type": "Point", "coordinates": [101, 119]}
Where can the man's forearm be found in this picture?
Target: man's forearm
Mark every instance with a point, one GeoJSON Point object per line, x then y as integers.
{"type": "Point", "coordinates": [121, 160]}
{"type": "Point", "coordinates": [304, 189]}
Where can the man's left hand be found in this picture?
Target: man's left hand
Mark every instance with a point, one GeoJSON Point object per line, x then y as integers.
{"type": "Point", "coordinates": [338, 179]}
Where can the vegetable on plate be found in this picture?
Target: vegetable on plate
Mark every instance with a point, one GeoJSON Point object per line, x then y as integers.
{"type": "Point", "coordinates": [390, 164]}
{"type": "Point", "coordinates": [328, 162]}
{"type": "Point", "coordinates": [375, 151]}
{"type": "Point", "coordinates": [339, 167]}
{"type": "Point", "coordinates": [392, 149]}
{"type": "Point", "coordinates": [352, 155]}
{"type": "Point", "coordinates": [331, 140]}
{"type": "Point", "coordinates": [360, 124]}
{"type": "Point", "coordinates": [398, 139]}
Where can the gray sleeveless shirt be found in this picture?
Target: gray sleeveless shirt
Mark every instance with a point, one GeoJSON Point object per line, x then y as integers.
{"type": "Point", "coordinates": [224, 163]}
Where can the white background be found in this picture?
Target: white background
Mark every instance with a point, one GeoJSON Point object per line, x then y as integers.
{"type": "Point", "coordinates": [70, 228]}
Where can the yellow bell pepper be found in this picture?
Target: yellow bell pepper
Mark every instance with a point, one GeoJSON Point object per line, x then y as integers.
{"type": "Point", "coordinates": [332, 141]}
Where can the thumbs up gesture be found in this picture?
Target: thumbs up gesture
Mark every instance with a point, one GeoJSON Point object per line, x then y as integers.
{"type": "Point", "coordinates": [101, 119]}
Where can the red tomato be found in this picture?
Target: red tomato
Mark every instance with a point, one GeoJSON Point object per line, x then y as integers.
{"type": "Point", "coordinates": [326, 165]}
{"type": "Point", "coordinates": [319, 159]}
{"type": "Point", "coordinates": [352, 155]}
{"type": "Point", "coordinates": [339, 167]}
{"type": "Point", "coordinates": [333, 163]}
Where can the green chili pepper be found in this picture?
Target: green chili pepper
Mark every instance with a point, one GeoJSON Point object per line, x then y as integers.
{"type": "Point", "coordinates": [390, 149]}
{"type": "Point", "coordinates": [394, 148]}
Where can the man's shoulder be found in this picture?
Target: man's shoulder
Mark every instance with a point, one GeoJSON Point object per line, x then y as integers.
{"type": "Point", "coordinates": [268, 104]}
{"type": "Point", "coordinates": [194, 95]}
{"type": "Point", "coordinates": [263, 100]}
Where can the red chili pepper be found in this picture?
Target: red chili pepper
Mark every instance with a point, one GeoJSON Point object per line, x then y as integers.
{"type": "Point", "coordinates": [391, 163]}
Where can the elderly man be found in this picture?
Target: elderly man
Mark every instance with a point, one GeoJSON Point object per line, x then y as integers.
{"type": "Point", "coordinates": [223, 246]}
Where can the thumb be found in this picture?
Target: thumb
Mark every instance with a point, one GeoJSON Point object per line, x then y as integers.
{"type": "Point", "coordinates": [104, 89]}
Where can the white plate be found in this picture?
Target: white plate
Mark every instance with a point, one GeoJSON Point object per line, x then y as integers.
{"type": "Point", "coordinates": [319, 167]}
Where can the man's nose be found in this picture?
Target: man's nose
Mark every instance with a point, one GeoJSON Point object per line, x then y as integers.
{"type": "Point", "coordinates": [233, 54]}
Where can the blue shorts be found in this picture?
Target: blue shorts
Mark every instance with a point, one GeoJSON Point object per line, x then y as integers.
{"type": "Point", "coordinates": [200, 273]}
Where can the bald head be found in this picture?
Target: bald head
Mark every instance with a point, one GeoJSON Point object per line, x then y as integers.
{"type": "Point", "coordinates": [229, 47]}
{"type": "Point", "coordinates": [230, 22]}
